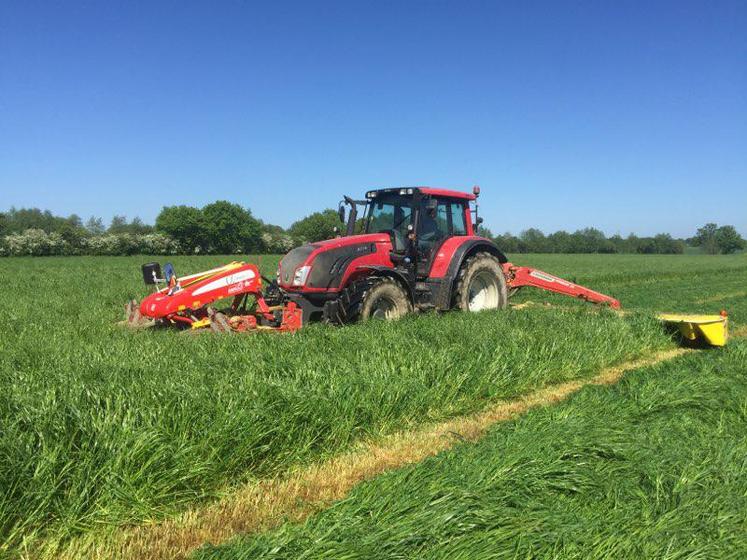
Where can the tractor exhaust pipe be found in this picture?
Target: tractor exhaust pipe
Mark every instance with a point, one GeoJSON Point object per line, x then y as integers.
{"type": "Point", "coordinates": [353, 216]}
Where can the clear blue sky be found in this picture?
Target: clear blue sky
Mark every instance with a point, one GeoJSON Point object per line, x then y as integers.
{"type": "Point", "coordinates": [627, 116]}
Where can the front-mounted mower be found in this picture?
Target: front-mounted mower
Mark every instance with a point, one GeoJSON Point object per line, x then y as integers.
{"type": "Point", "coordinates": [419, 250]}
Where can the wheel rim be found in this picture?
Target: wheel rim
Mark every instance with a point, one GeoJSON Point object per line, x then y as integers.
{"type": "Point", "coordinates": [383, 308]}
{"type": "Point", "coordinates": [483, 291]}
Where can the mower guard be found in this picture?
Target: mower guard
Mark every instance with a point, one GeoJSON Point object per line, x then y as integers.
{"type": "Point", "coordinates": [712, 330]}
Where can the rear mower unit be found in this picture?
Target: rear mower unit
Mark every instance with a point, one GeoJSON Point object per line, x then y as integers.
{"type": "Point", "coordinates": [420, 250]}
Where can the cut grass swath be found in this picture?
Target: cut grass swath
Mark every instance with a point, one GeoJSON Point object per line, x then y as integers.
{"type": "Point", "coordinates": [265, 504]}
{"type": "Point", "coordinates": [653, 467]}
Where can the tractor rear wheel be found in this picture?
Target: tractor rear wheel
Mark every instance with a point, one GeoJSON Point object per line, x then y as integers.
{"type": "Point", "coordinates": [481, 284]}
{"type": "Point", "coordinates": [372, 298]}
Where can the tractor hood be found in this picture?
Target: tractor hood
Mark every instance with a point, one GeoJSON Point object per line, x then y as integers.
{"type": "Point", "coordinates": [351, 240]}
{"type": "Point", "coordinates": [321, 265]}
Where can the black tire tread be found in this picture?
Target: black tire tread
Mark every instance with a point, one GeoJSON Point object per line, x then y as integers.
{"type": "Point", "coordinates": [350, 302]}
{"type": "Point", "coordinates": [352, 298]}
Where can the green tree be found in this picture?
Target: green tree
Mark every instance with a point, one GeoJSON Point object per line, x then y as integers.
{"type": "Point", "coordinates": [19, 220]}
{"type": "Point", "coordinates": [559, 242]}
{"type": "Point", "coordinates": [728, 239]}
{"type": "Point", "coordinates": [588, 240]}
{"type": "Point", "coordinates": [135, 227]}
{"type": "Point", "coordinates": [705, 238]}
{"type": "Point", "coordinates": [316, 227]}
{"type": "Point", "coordinates": [185, 224]}
{"type": "Point", "coordinates": [535, 240]}
{"type": "Point", "coordinates": [271, 228]}
{"type": "Point", "coordinates": [73, 220]}
{"type": "Point", "coordinates": [231, 228]}
{"type": "Point", "coordinates": [619, 243]}
{"type": "Point", "coordinates": [95, 226]}
{"type": "Point", "coordinates": [646, 246]}
{"type": "Point", "coordinates": [507, 243]}
{"type": "Point", "coordinates": [631, 243]}
{"type": "Point", "coordinates": [138, 227]}
{"type": "Point", "coordinates": [118, 224]}
{"type": "Point", "coordinates": [666, 244]}
{"type": "Point", "coordinates": [73, 232]}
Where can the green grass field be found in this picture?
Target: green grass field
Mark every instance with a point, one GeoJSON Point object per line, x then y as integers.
{"type": "Point", "coordinates": [104, 427]}
{"type": "Point", "coordinates": [653, 467]}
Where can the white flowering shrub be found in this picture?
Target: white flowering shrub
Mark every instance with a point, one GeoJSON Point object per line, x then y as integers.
{"type": "Point", "coordinates": [107, 244]}
{"type": "Point", "coordinates": [278, 243]}
{"type": "Point", "coordinates": [158, 244]}
{"type": "Point", "coordinates": [35, 242]}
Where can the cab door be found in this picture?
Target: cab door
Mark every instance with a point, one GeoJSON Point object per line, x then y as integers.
{"type": "Point", "coordinates": [438, 220]}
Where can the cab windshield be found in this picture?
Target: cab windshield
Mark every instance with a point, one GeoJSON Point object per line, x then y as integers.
{"type": "Point", "coordinates": [387, 213]}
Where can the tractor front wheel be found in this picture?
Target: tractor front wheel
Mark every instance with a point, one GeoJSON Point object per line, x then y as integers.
{"type": "Point", "coordinates": [371, 298]}
{"type": "Point", "coordinates": [481, 284]}
{"type": "Point", "coordinates": [386, 299]}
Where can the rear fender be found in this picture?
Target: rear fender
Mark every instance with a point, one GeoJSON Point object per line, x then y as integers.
{"type": "Point", "coordinates": [469, 247]}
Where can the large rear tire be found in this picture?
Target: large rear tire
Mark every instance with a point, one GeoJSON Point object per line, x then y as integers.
{"type": "Point", "coordinates": [481, 284]}
{"type": "Point", "coordinates": [372, 298]}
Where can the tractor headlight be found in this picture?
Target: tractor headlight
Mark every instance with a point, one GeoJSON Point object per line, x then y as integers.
{"type": "Point", "coordinates": [300, 275]}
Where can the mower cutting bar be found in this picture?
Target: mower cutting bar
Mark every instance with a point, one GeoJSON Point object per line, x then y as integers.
{"type": "Point", "coordinates": [521, 276]}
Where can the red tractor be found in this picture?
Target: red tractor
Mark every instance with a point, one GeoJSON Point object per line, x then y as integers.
{"type": "Point", "coordinates": [419, 250]}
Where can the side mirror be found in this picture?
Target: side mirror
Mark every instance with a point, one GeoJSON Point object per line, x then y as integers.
{"type": "Point", "coordinates": [478, 221]}
{"type": "Point", "coordinates": [341, 213]}
{"type": "Point", "coordinates": [431, 205]}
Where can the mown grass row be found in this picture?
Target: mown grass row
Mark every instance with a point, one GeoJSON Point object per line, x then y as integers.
{"type": "Point", "coordinates": [653, 467]}
{"type": "Point", "coordinates": [102, 426]}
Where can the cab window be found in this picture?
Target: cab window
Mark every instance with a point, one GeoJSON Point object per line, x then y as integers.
{"type": "Point", "coordinates": [386, 215]}
{"type": "Point", "coordinates": [433, 227]}
{"type": "Point", "coordinates": [458, 226]}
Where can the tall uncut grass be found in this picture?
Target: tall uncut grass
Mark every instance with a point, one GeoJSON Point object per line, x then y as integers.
{"type": "Point", "coordinates": [101, 426]}
{"type": "Point", "coordinates": [651, 468]}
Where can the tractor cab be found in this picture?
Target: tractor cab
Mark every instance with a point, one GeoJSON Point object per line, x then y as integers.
{"type": "Point", "coordinates": [417, 219]}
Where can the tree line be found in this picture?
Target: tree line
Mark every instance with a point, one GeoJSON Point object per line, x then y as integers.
{"type": "Point", "coordinates": [223, 227]}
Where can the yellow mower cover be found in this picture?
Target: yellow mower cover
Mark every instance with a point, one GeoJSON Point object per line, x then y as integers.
{"type": "Point", "coordinates": [710, 329]}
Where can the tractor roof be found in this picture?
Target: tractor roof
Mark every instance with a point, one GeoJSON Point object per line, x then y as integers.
{"type": "Point", "coordinates": [424, 190]}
